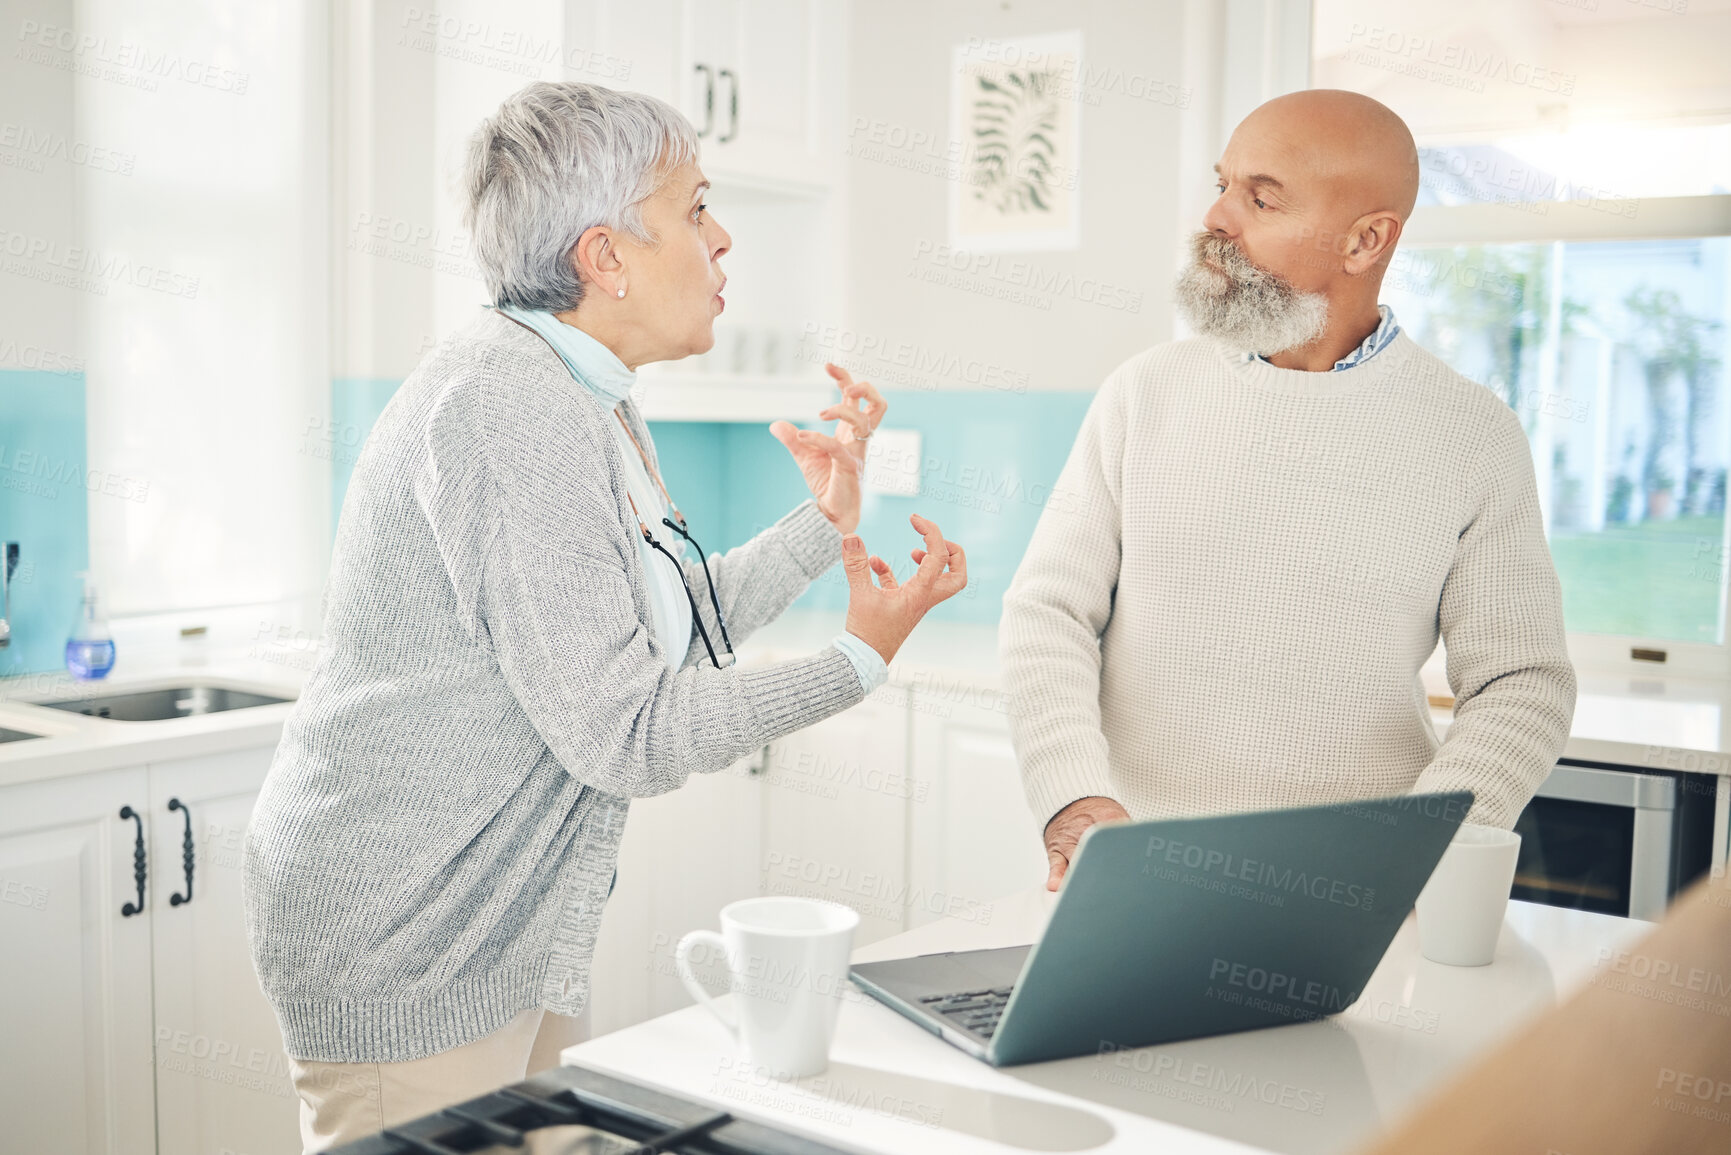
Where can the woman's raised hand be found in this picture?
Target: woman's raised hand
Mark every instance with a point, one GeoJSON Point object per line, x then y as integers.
{"type": "Point", "coordinates": [832, 466]}
{"type": "Point", "coordinates": [883, 614]}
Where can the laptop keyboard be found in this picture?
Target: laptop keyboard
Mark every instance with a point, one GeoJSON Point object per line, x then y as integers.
{"type": "Point", "coordinates": [976, 1011]}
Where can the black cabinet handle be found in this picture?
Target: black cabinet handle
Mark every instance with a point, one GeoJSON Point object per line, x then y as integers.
{"type": "Point", "coordinates": [732, 79]}
{"type": "Point", "coordinates": [708, 101]}
{"type": "Point", "coordinates": [133, 908]}
{"type": "Point", "coordinates": [185, 852]}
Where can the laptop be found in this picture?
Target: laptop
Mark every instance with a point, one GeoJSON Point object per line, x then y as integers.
{"type": "Point", "coordinates": [1181, 928]}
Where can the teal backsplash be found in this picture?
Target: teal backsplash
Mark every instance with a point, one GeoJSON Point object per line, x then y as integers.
{"type": "Point", "coordinates": [356, 403]}
{"type": "Point", "coordinates": [988, 461]}
{"type": "Point", "coordinates": [44, 508]}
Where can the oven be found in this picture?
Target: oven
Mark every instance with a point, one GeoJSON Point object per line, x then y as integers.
{"type": "Point", "coordinates": [1613, 839]}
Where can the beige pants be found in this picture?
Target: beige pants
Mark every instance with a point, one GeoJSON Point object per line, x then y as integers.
{"type": "Point", "coordinates": [341, 1102]}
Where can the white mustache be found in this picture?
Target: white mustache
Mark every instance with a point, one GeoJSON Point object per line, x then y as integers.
{"type": "Point", "coordinates": [1231, 259]}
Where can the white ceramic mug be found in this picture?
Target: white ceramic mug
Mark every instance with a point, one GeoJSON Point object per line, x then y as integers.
{"type": "Point", "coordinates": [1460, 910]}
{"type": "Point", "coordinates": [787, 963]}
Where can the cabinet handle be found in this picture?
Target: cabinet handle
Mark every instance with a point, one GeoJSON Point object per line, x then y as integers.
{"type": "Point", "coordinates": [185, 851]}
{"type": "Point", "coordinates": [138, 872]}
{"type": "Point", "coordinates": [708, 101]}
{"type": "Point", "coordinates": [732, 79]}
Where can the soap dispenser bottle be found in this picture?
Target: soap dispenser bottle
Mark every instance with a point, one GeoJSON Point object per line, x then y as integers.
{"type": "Point", "coordinates": [90, 647]}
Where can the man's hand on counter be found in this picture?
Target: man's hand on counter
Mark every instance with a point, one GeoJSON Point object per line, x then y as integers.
{"type": "Point", "coordinates": [1065, 829]}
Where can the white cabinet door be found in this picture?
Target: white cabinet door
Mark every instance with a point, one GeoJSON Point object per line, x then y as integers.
{"type": "Point", "coordinates": [636, 46]}
{"type": "Point", "coordinates": [707, 841]}
{"type": "Point", "coordinates": [684, 856]}
{"type": "Point", "coordinates": [836, 814]}
{"type": "Point", "coordinates": [712, 52]}
{"type": "Point", "coordinates": [778, 82]}
{"type": "Point", "coordinates": [780, 87]}
{"type": "Point", "coordinates": [222, 1081]}
{"type": "Point", "coordinates": [75, 1012]}
{"type": "Point", "coordinates": [761, 80]}
{"type": "Point", "coordinates": [973, 838]}
{"type": "Point", "coordinates": [823, 813]}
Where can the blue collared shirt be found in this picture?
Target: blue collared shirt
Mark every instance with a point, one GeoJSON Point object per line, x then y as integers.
{"type": "Point", "coordinates": [1387, 329]}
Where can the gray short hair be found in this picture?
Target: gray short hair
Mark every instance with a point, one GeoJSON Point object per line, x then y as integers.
{"type": "Point", "coordinates": [556, 159]}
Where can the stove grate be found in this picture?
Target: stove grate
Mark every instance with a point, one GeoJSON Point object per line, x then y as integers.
{"type": "Point", "coordinates": [626, 1118]}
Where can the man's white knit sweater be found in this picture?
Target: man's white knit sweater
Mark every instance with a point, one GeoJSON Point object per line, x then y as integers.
{"type": "Point", "coordinates": [1227, 601]}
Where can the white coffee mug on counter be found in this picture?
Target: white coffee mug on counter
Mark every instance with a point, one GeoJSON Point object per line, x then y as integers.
{"type": "Point", "coordinates": [1461, 908]}
{"type": "Point", "coordinates": [787, 963]}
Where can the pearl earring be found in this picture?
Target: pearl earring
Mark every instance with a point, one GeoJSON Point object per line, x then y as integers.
{"type": "Point", "coordinates": [621, 292]}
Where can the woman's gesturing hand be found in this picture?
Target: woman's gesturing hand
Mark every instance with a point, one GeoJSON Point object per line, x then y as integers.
{"type": "Point", "coordinates": [833, 465]}
{"type": "Point", "coordinates": [882, 615]}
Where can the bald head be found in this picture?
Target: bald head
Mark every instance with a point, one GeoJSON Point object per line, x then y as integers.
{"type": "Point", "coordinates": [1328, 176]}
{"type": "Point", "coordinates": [1359, 153]}
{"type": "Point", "coordinates": [1314, 191]}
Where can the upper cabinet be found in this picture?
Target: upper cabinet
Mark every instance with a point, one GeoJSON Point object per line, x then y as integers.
{"type": "Point", "coordinates": [764, 82]}
{"type": "Point", "coordinates": [753, 89]}
{"type": "Point", "coordinates": [760, 79]}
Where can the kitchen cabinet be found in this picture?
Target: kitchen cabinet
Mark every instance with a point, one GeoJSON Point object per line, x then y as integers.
{"type": "Point", "coordinates": [132, 1033]}
{"type": "Point", "coordinates": [684, 856]}
{"type": "Point", "coordinates": [761, 80]}
{"type": "Point", "coordinates": [907, 808]}
{"type": "Point", "coordinates": [820, 813]}
{"type": "Point", "coordinates": [836, 798]}
{"type": "Point", "coordinates": [75, 1069]}
{"type": "Point", "coordinates": [972, 839]}
{"type": "Point", "coordinates": [222, 1081]}
{"type": "Point", "coordinates": [764, 83]}
{"type": "Point", "coordinates": [754, 87]}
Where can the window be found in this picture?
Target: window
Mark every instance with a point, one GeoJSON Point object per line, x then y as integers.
{"type": "Point", "coordinates": [1572, 250]}
{"type": "Point", "coordinates": [1613, 354]}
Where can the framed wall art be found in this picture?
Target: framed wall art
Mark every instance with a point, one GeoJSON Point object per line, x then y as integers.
{"type": "Point", "coordinates": [1016, 107]}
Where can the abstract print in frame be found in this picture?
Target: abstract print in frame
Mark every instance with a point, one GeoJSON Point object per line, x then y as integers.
{"type": "Point", "coordinates": [1016, 106]}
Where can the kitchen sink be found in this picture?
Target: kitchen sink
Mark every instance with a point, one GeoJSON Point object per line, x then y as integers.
{"type": "Point", "coordinates": [15, 735]}
{"type": "Point", "coordinates": [157, 705]}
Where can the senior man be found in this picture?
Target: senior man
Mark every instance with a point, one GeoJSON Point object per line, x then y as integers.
{"type": "Point", "coordinates": [1265, 528]}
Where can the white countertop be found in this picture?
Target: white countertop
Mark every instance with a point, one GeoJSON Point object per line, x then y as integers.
{"type": "Point", "coordinates": [1649, 721]}
{"type": "Point", "coordinates": [76, 744]}
{"type": "Point", "coordinates": [1657, 723]}
{"type": "Point", "coordinates": [1316, 1087]}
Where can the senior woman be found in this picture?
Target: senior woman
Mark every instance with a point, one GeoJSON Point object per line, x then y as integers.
{"type": "Point", "coordinates": [518, 639]}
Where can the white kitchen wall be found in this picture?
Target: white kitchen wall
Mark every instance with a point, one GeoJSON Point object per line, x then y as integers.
{"type": "Point", "coordinates": [382, 156]}
{"type": "Point", "coordinates": [38, 199]}
{"type": "Point", "coordinates": [1135, 97]}
{"type": "Point", "coordinates": [414, 80]}
{"type": "Point", "coordinates": [295, 188]}
{"type": "Point", "coordinates": [465, 93]}
{"type": "Point", "coordinates": [208, 357]}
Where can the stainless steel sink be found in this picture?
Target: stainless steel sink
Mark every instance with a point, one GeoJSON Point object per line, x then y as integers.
{"type": "Point", "coordinates": [15, 735]}
{"type": "Point", "coordinates": [157, 705]}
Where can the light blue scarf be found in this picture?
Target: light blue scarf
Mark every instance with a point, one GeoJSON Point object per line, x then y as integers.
{"type": "Point", "coordinates": [593, 364]}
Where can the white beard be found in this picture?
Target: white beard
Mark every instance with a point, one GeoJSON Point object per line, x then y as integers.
{"type": "Point", "coordinates": [1244, 306]}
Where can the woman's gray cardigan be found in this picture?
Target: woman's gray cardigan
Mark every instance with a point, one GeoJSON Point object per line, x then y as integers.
{"type": "Point", "coordinates": [433, 845]}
